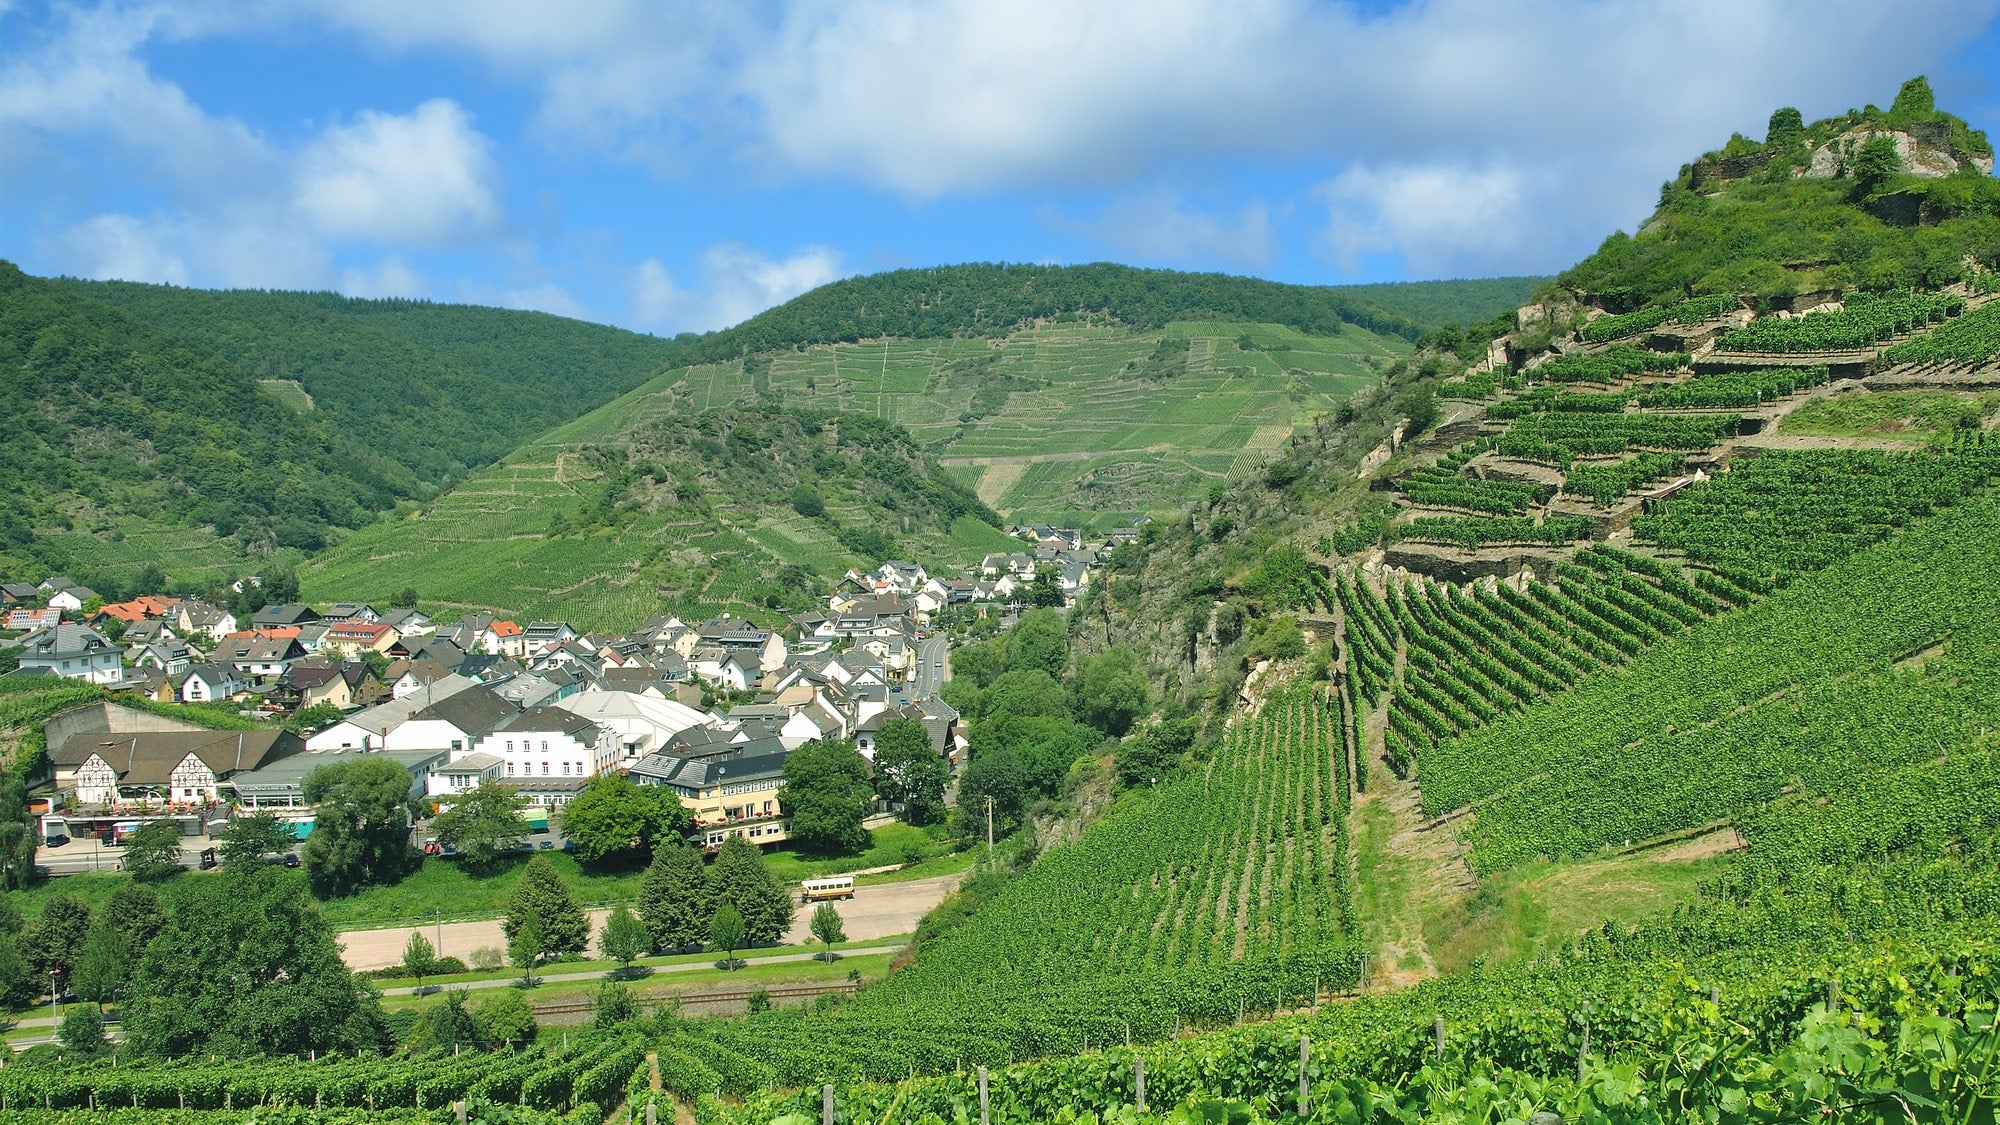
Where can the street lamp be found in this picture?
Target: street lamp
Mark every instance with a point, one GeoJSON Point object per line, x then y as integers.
{"type": "Point", "coordinates": [55, 1006]}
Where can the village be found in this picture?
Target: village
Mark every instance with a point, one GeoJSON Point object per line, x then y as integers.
{"type": "Point", "coordinates": [709, 709]}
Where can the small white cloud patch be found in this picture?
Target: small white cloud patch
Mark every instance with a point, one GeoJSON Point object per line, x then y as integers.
{"type": "Point", "coordinates": [737, 283]}
{"type": "Point", "coordinates": [425, 178]}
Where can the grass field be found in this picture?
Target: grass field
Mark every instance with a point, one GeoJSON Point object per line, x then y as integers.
{"type": "Point", "coordinates": [1917, 416]}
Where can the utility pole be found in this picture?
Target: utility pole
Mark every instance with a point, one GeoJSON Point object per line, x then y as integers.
{"type": "Point", "coordinates": [989, 830]}
{"type": "Point", "coordinates": [439, 912]}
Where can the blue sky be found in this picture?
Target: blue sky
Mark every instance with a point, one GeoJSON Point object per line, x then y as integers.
{"type": "Point", "coordinates": [679, 166]}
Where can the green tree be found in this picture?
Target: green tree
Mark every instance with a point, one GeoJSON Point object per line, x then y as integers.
{"type": "Point", "coordinates": [1914, 100]}
{"type": "Point", "coordinates": [154, 851]}
{"type": "Point", "coordinates": [1111, 692]}
{"type": "Point", "coordinates": [506, 1017]}
{"type": "Point", "coordinates": [1786, 126]}
{"type": "Point", "coordinates": [1039, 640]}
{"type": "Point", "coordinates": [827, 928]}
{"type": "Point", "coordinates": [418, 958]}
{"type": "Point", "coordinates": [624, 938]}
{"type": "Point", "coordinates": [827, 795]}
{"type": "Point", "coordinates": [676, 898]}
{"type": "Point", "coordinates": [250, 839]}
{"type": "Point", "coordinates": [406, 598]}
{"type": "Point", "coordinates": [361, 834]}
{"type": "Point", "coordinates": [82, 1031]}
{"type": "Point", "coordinates": [613, 1005]}
{"type": "Point", "coordinates": [995, 773]}
{"type": "Point", "coordinates": [524, 947]}
{"type": "Point", "coordinates": [311, 720]}
{"type": "Point", "coordinates": [726, 932]}
{"type": "Point", "coordinates": [53, 942]}
{"type": "Point", "coordinates": [246, 965]}
{"type": "Point", "coordinates": [807, 502]}
{"type": "Point", "coordinates": [1876, 164]}
{"type": "Point", "coordinates": [909, 772]}
{"type": "Point", "coordinates": [1150, 755]}
{"type": "Point", "coordinates": [134, 909]}
{"type": "Point", "coordinates": [541, 896]}
{"type": "Point", "coordinates": [17, 855]}
{"type": "Point", "coordinates": [103, 965]}
{"type": "Point", "coordinates": [1045, 592]}
{"type": "Point", "coordinates": [614, 822]}
{"type": "Point", "coordinates": [18, 983]}
{"type": "Point", "coordinates": [447, 1026]}
{"type": "Point", "coordinates": [742, 881]}
{"type": "Point", "coordinates": [483, 825]}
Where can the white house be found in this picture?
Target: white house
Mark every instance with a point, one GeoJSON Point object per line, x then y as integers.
{"type": "Point", "coordinates": [547, 743]}
{"type": "Point", "coordinates": [454, 723]}
{"type": "Point", "coordinates": [74, 652]}
{"type": "Point", "coordinates": [152, 768]}
{"type": "Point", "coordinates": [637, 724]}
{"type": "Point", "coordinates": [208, 683]}
{"type": "Point", "coordinates": [369, 729]}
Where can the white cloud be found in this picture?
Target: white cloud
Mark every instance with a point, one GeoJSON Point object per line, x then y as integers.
{"type": "Point", "coordinates": [737, 283]}
{"type": "Point", "coordinates": [87, 82]}
{"type": "Point", "coordinates": [393, 276]}
{"type": "Point", "coordinates": [1443, 220]}
{"type": "Point", "coordinates": [1159, 227]}
{"type": "Point", "coordinates": [126, 248]}
{"type": "Point", "coordinates": [425, 178]}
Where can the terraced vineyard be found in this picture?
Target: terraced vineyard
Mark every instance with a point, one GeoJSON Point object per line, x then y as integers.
{"type": "Point", "coordinates": [1470, 658]}
{"type": "Point", "coordinates": [1861, 322]}
{"type": "Point", "coordinates": [1883, 659]}
{"type": "Point", "coordinates": [1057, 418]}
{"type": "Point", "coordinates": [605, 536]}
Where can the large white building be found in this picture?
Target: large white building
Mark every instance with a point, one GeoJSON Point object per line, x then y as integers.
{"type": "Point", "coordinates": [636, 724]}
{"type": "Point", "coordinates": [74, 652]}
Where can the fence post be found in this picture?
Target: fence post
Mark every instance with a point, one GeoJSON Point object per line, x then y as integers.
{"type": "Point", "coordinates": [984, 1103]}
{"type": "Point", "coordinates": [1439, 1028]}
{"type": "Point", "coordinates": [1582, 1050]}
{"type": "Point", "coordinates": [1305, 1083]}
{"type": "Point", "coordinates": [652, 1113]}
{"type": "Point", "coordinates": [1832, 995]}
{"type": "Point", "coordinates": [458, 1111]}
{"type": "Point", "coordinates": [1139, 1081]}
{"type": "Point", "coordinates": [826, 1104]}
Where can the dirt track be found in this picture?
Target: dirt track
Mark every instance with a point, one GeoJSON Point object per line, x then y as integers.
{"type": "Point", "coordinates": [877, 911]}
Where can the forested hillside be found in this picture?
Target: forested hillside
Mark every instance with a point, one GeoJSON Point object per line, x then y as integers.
{"type": "Point", "coordinates": [129, 446]}
{"type": "Point", "coordinates": [438, 389]}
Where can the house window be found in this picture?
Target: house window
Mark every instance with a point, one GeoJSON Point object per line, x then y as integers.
{"type": "Point", "coordinates": [510, 746]}
{"type": "Point", "coordinates": [565, 769]}
{"type": "Point", "coordinates": [545, 745]}
{"type": "Point", "coordinates": [545, 769]}
{"type": "Point", "coordinates": [510, 769]}
{"type": "Point", "coordinates": [457, 744]}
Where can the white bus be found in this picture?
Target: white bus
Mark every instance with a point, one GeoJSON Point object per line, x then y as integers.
{"type": "Point", "coordinates": [831, 887]}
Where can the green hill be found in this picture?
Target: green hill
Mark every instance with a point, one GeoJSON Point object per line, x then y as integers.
{"type": "Point", "coordinates": [731, 507]}
{"type": "Point", "coordinates": [132, 448]}
{"type": "Point", "coordinates": [438, 389]}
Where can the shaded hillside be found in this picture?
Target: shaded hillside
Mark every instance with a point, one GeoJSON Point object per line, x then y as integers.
{"type": "Point", "coordinates": [128, 445]}
{"type": "Point", "coordinates": [439, 389]}
{"type": "Point", "coordinates": [755, 506]}
{"type": "Point", "coordinates": [1435, 304]}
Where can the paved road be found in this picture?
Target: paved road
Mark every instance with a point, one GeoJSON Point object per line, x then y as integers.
{"type": "Point", "coordinates": [933, 664]}
{"type": "Point", "coordinates": [878, 911]}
